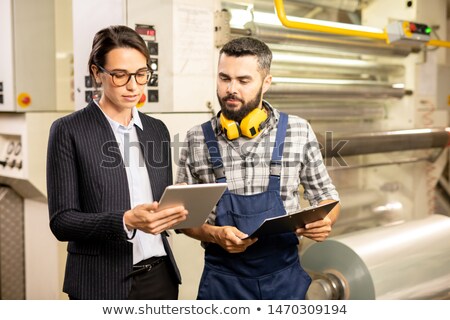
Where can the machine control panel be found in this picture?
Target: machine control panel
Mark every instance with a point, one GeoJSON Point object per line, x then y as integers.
{"type": "Point", "coordinates": [91, 92]}
{"type": "Point", "coordinates": [148, 33]}
{"type": "Point", "coordinates": [11, 159]}
{"type": "Point", "coordinates": [407, 32]}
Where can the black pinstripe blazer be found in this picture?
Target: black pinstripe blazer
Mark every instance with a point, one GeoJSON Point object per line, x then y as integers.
{"type": "Point", "coordinates": [88, 194]}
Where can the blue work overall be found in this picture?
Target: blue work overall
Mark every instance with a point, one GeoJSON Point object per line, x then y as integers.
{"type": "Point", "coordinates": [268, 269]}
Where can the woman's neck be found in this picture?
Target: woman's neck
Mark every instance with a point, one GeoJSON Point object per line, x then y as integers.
{"type": "Point", "coordinates": [122, 116]}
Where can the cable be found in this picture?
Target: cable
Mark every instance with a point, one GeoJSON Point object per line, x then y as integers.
{"type": "Point", "coordinates": [433, 32]}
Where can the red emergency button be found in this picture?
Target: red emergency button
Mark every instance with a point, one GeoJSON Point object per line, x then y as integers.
{"type": "Point", "coordinates": [24, 100]}
{"type": "Point", "coordinates": [412, 27]}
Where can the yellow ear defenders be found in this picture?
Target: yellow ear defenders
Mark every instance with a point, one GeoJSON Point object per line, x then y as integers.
{"type": "Point", "coordinates": [250, 126]}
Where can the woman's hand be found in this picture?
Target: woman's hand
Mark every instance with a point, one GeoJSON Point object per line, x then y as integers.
{"type": "Point", "coordinates": [147, 217]}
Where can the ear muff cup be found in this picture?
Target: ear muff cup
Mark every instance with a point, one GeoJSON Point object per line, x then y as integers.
{"type": "Point", "coordinates": [229, 127]}
{"type": "Point", "coordinates": [250, 126]}
{"type": "Point", "coordinates": [253, 123]}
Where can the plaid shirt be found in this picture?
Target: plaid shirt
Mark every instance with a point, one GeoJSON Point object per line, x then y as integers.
{"type": "Point", "coordinates": [247, 162]}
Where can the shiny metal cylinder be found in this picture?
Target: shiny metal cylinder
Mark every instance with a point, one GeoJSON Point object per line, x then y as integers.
{"type": "Point", "coordinates": [406, 261]}
{"type": "Point", "coordinates": [349, 5]}
{"type": "Point", "coordinates": [348, 90]}
{"type": "Point", "coordinates": [332, 111]}
{"type": "Point", "coordinates": [299, 64]}
{"type": "Point", "coordinates": [275, 34]}
{"type": "Point", "coordinates": [377, 142]}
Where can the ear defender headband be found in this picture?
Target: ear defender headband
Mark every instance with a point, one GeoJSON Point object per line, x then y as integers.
{"type": "Point", "coordinates": [250, 126]}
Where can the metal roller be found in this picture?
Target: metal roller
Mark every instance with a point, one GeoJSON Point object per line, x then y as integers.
{"type": "Point", "coordinates": [347, 5]}
{"type": "Point", "coordinates": [326, 110]}
{"type": "Point", "coordinates": [351, 89]}
{"type": "Point", "coordinates": [406, 261]}
{"type": "Point", "coordinates": [377, 142]}
{"type": "Point", "coordinates": [302, 70]}
{"type": "Point", "coordinates": [275, 34]}
{"type": "Point", "coordinates": [310, 63]}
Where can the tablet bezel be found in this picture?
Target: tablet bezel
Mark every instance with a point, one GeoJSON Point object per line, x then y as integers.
{"type": "Point", "coordinates": [198, 199]}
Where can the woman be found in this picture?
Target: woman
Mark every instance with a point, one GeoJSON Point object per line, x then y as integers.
{"type": "Point", "coordinates": [106, 166]}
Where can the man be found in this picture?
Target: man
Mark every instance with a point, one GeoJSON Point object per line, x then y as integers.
{"type": "Point", "coordinates": [264, 156]}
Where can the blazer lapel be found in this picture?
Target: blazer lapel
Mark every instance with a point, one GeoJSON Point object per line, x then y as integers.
{"type": "Point", "coordinates": [107, 136]}
{"type": "Point", "coordinates": [157, 159]}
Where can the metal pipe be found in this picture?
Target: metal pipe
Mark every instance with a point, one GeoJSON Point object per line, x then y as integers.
{"type": "Point", "coordinates": [314, 51]}
{"type": "Point", "coordinates": [332, 111]}
{"type": "Point", "coordinates": [275, 34]}
{"type": "Point", "coordinates": [349, 5]}
{"type": "Point", "coordinates": [336, 72]}
{"type": "Point", "coordinates": [380, 163]}
{"type": "Point", "coordinates": [240, 32]}
{"type": "Point", "coordinates": [301, 63]}
{"type": "Point", "coordinates": [279, 5]}
{"type": "Point", "coordinates": [350, 90]}
{"type": "Point", "coordinates": [380, 142]}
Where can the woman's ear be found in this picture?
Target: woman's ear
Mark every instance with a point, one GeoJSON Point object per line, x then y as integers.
{"type": "Point", "coordinates": [96, 74]}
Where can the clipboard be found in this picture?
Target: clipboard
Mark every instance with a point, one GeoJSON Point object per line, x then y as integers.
{"type": "Point", "coordinates": [293, 221]}
{"type": "Point", "coordinates": [198, 199]}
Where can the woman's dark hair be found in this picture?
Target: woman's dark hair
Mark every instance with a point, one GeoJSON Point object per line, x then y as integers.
{"type": "Point", "coordinates": [111, 38]}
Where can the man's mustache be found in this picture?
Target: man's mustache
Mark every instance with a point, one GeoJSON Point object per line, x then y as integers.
{"type": "Point", "coordinates": [231, 97]}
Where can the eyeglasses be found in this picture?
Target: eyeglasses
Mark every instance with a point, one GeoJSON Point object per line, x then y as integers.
{"type": "Point", "coordinates": [121, 78]}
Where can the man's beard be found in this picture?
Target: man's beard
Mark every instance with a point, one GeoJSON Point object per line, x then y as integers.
{"type": "Point", "coordinates": [243, 111]}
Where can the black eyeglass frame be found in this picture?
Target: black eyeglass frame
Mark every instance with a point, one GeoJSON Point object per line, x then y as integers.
{"type": "Point", "coordinates": [112, 74]}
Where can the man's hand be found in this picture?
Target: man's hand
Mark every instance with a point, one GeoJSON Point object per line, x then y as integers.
{"type": "Point", "coordinates": [318, 230]}
{"type": "Point", "coordinates": [231, 239]}
{"type": "Point", "coordinates": [147, 218]}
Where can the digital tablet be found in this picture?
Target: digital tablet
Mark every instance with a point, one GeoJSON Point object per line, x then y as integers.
{"type": "Point", "coordinates": [198, 199]}
{"type": "Point", "coordinates": [293, 221]}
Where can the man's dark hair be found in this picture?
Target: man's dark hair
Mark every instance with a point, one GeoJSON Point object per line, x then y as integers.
{"type": "Point", "coordinates": [247, 46]}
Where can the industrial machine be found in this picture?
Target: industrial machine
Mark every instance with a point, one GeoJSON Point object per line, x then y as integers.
{"type": "Point", "coordinates": [376, 98]}
{"type": "Point", "coordinates": [372, 82]}
{"type": "Point", "coordinates": [402, 261]}
{"type": "Point", "coordinates": [35, 77]}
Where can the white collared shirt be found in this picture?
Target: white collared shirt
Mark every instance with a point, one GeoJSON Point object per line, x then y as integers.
{"type": "Point", "coordinates": [145, 245]}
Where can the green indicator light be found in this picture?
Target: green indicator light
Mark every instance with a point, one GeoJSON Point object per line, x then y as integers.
{"type": "Point", "coordinates": [428, 30]}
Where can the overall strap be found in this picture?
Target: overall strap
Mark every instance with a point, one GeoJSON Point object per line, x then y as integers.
{"type": "Point", "coordinates": [277, 154]}
{"type": "Point", "coordinates": [214, 152]}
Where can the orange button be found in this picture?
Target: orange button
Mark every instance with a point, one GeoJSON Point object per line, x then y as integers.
{"type": "Point", "coordinates": [24, 100]}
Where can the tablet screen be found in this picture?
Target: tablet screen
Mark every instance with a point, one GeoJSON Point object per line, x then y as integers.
{"type": "Point", "coordinates": [198, 199]}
